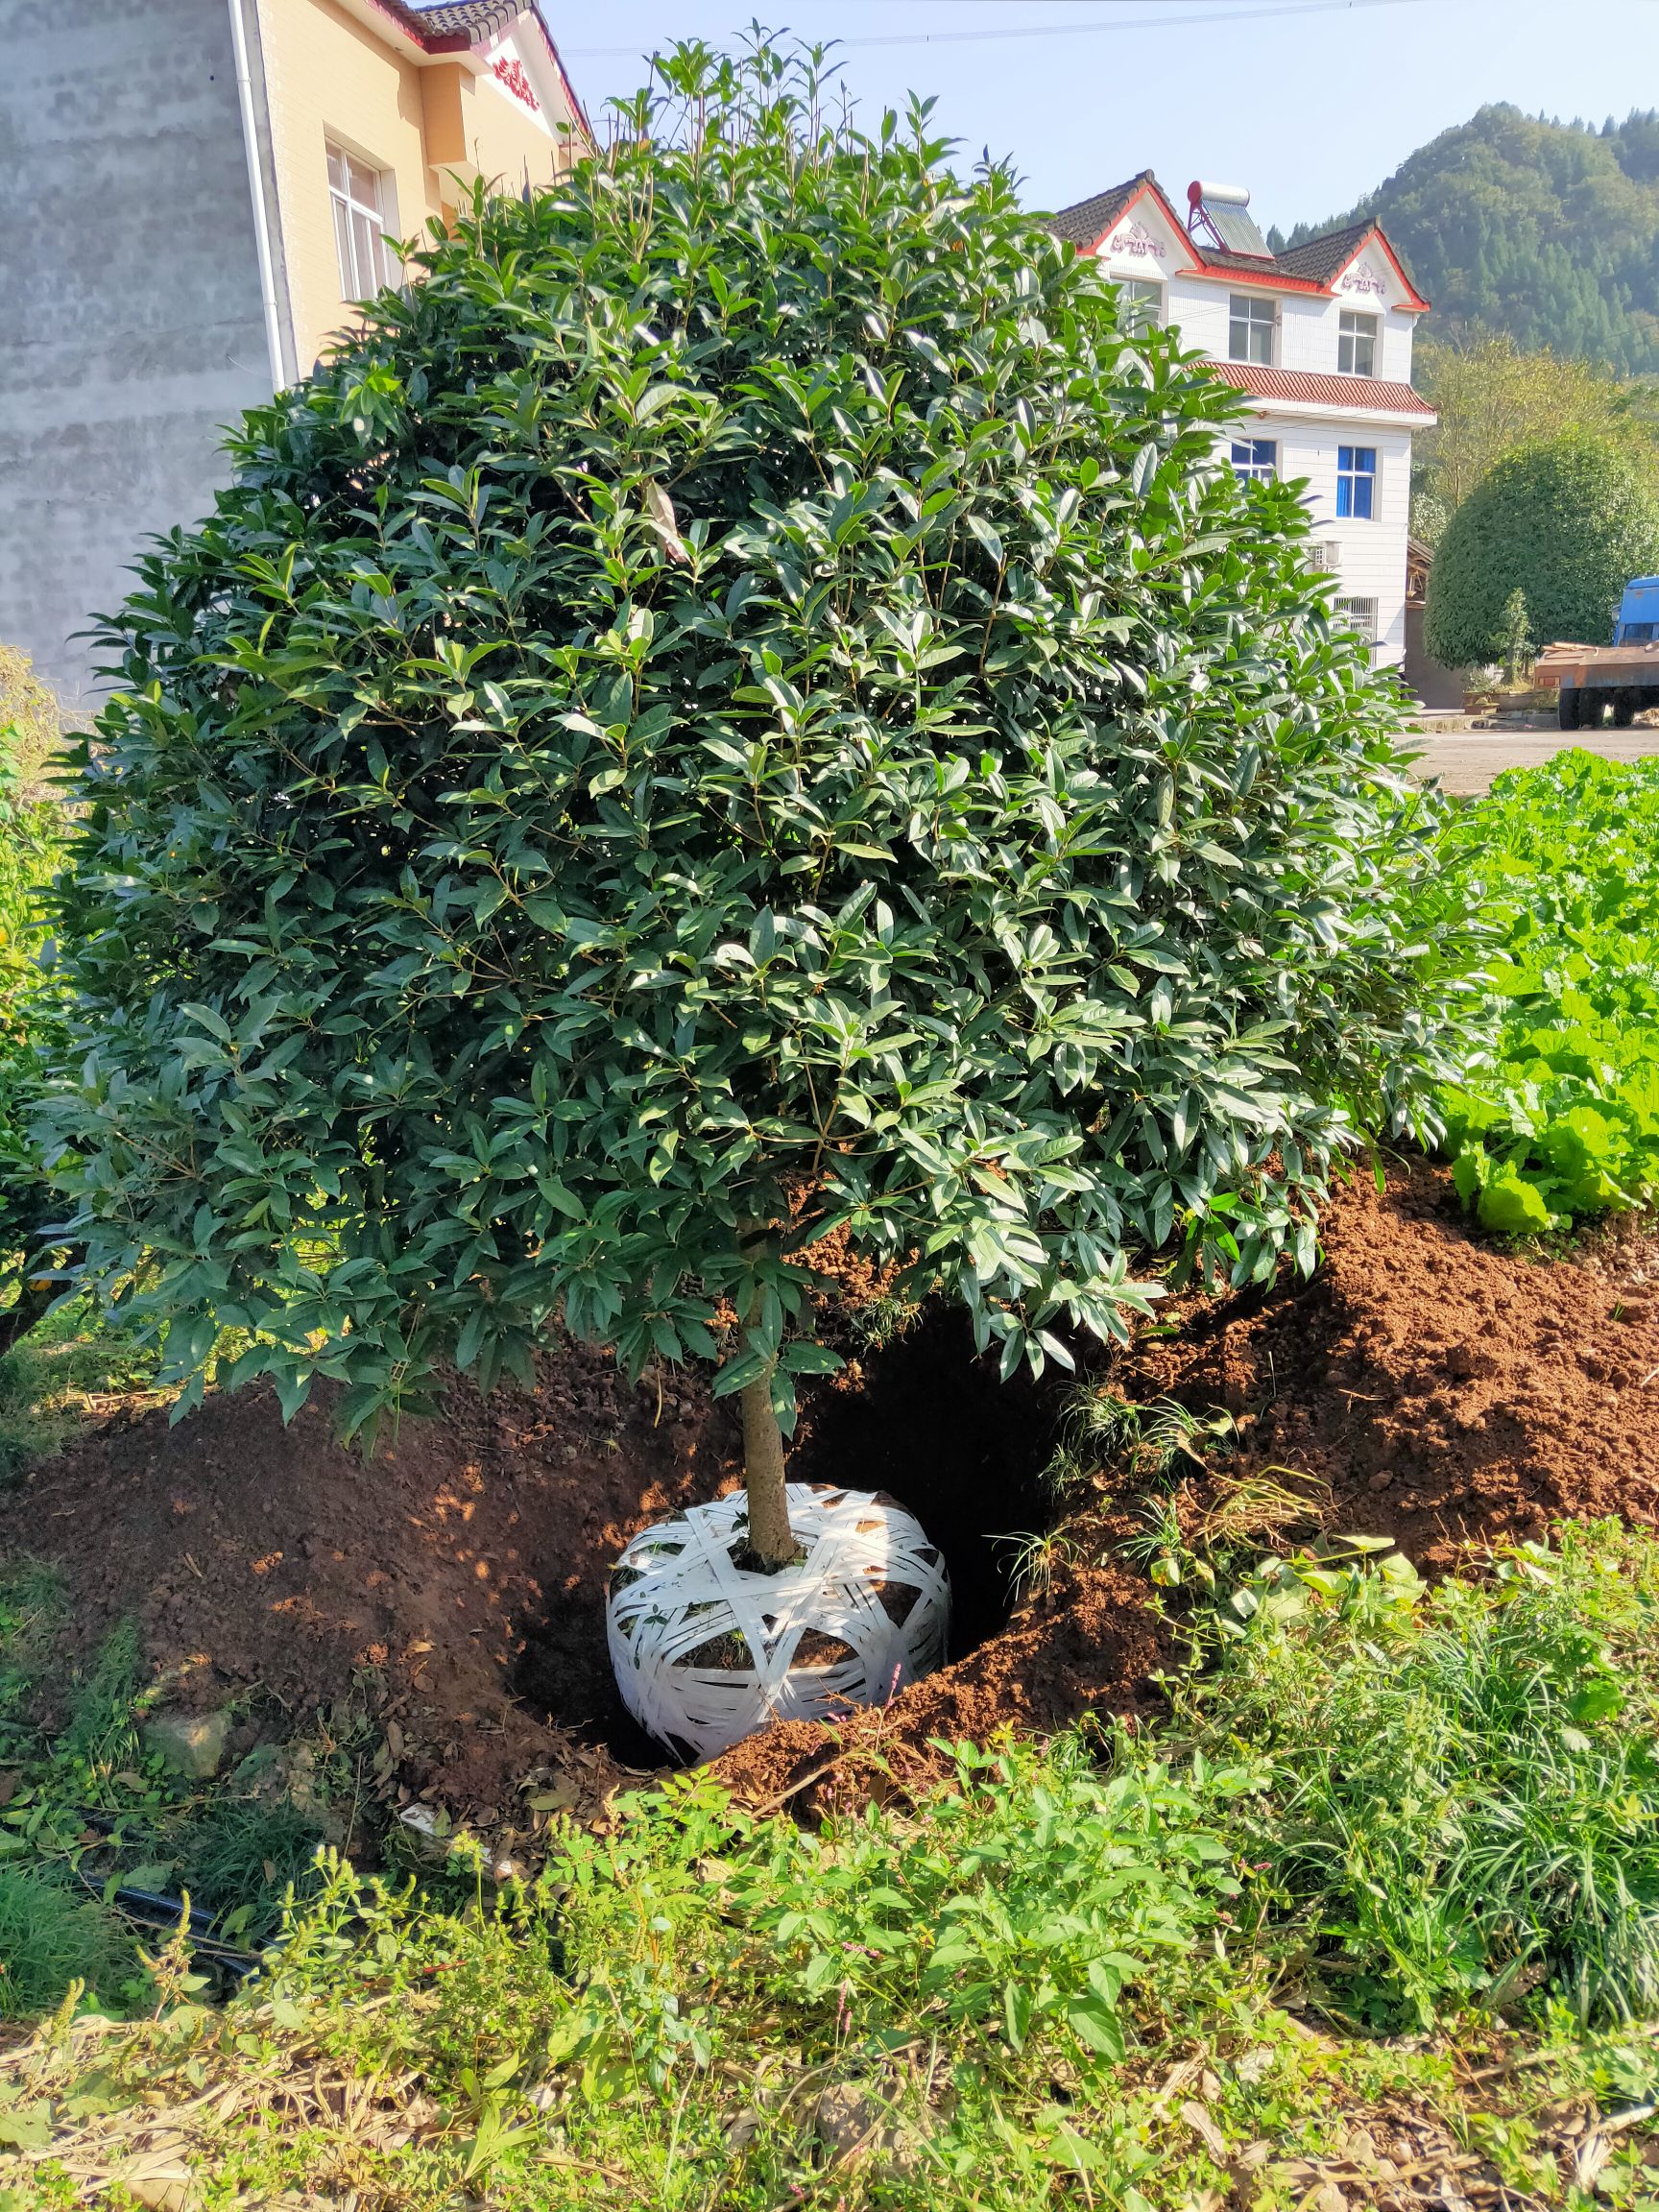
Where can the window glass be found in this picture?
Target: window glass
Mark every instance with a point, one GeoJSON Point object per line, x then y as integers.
{"type": "Point", "coordinates": [1357, 344]}
{"type": "Point", "coordinates": [1356, 482]}
{"type": "Point", "coordinates": [1143, 303]}
{"type": "Point", "coordinates": [1362, 613]}
{"type": "Point", "coordinates": [358, 197]}
{"type": "Point", "coordinates": [1255, 459]}
{"type": "Point", "coordinates": [1251, 324]}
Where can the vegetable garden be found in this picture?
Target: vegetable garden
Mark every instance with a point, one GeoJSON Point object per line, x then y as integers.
{"type": "Point", "coordinates": [738, 854]}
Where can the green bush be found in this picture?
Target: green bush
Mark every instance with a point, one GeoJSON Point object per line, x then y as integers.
{"type": "Point", "coordinates": [1462, 1789]}
{"type": "Point", "coordinates": [1566, 521]}
{"type": "Point", "coordinates": [742, 703]}
{"type": "Point", "coordinates": [1563, 1120]}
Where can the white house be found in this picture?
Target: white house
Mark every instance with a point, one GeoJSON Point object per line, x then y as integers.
{"type": "Point", "coordinates": [1320, 339]}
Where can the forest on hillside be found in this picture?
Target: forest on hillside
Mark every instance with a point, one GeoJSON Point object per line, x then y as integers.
{"type": "Point", "coordinates": [1543, 232]}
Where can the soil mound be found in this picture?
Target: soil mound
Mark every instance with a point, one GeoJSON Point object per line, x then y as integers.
{"type": "Point", "coordinates": [269, 1566]}
{"type": "Point", "coordinates": [1449, 1393]}
{"type": "Point", "coordinates": [1452, 1394]}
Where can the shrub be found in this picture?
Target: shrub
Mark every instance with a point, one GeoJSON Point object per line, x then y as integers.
{"type": "Point", "coordinates": [31, 723]}
{"type": "Point", "coordinates": [1566, 521]}
{"type": "Point", "coordinates": [743, 703]}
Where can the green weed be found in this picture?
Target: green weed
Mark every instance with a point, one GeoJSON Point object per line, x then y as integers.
{"type": "Point", "coordinates": [51, 1938]}
{"type": "Point", "coordinates": [240, 1859]}
{"type": "Point", "coordinates": [1462, 1800]}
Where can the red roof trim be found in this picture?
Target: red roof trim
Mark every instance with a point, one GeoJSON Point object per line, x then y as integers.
{"type": "Point", "coordinates": [1153, 191]}
{"type": "Point", "coordinates": [1414, 302]}
{"type": "Point", "coordinates": [1268, 274]}
{"type": "Point", "coordinates": [407, 21]}
{"type": "Point", "coordinates": [1365, 395]}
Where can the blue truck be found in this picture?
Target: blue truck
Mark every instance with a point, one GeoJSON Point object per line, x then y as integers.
{"type": "Point", "coordinates": [1609, 684]}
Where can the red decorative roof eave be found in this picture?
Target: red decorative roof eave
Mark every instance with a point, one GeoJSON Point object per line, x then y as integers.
{"type": "Point", "coordinates": [1298, 386]}
{"type": "Point", "coordinates": [471, 22]}
{"type": "Point", "coordinates": [1237, 268]}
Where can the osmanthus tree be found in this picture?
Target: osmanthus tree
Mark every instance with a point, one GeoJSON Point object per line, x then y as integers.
{"type": "Point", "coordinates": [741, 702]}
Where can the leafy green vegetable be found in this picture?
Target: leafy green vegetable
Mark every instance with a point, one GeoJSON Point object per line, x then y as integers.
{"type": "Point", "coordinates": [1563, 1120]}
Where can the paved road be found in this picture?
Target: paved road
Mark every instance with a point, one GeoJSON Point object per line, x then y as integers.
{"type": "Point", "coordinates": [1466, 760]}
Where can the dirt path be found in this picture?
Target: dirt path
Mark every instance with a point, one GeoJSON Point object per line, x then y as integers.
{"type": "Point", "coordinates": [1466, 760]}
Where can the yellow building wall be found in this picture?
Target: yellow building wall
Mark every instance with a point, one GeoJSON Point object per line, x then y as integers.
{"type": "Point", "coordinates": [330, 80]}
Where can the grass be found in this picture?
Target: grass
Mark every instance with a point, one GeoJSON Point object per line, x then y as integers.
{"type": "Point", "coordinates": [52, 1939]}
{"type": "Point", "coordinates": [69, 1368]}
{"type": "Point", "coordinates": [1460, 1798]}
{"type": "Point", "coordinates": [1121, 1972]}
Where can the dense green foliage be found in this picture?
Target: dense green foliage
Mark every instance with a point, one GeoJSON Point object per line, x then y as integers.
{"type": "Point", "coordinates": [1492, 398]}
{"type": "Point", "coordinates": [32, 1028]}
{"type": "Point", "coordinates": [1543, 230]}
{"type": "Point", "coordinates": [742, 703]}
{"type": "Point", "coordinates": [1464, 1786]}
{"type": "Point", "coordinates": [1563, 862]}
{"type": "Point", "coordinates": [1565, 523]}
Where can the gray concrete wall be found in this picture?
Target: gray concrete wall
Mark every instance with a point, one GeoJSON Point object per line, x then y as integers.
{"type": "Point", "coordinates": [131, 321]}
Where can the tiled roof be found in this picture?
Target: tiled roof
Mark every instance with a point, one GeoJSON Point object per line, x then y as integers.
{"type": "Point", "coordinates": [469, 19]}
{"type": "Point", "coordinates": [1311, 266]}
{"type": "Point", "coordinates": [1087, 220]}
{"type": "Point", "coordinates": [1296, 386]}
{"type": "Point", "coordinates": [1323, 258]}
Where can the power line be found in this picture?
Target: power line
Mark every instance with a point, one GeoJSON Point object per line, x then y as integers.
{"type": "Point", "coordinates": [1244, 15]}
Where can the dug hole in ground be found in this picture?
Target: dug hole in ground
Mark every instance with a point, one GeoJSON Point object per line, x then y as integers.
{"type": "Point", "coordinates": [1430, 1386]}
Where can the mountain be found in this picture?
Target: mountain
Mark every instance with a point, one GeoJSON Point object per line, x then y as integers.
{"type": "Point", "coordinates": [1546, 232]}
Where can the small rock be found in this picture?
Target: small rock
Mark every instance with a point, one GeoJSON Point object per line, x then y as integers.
{"type": "Point", "coordinates": [1380, 1480]}
{"type": "Point", "coordinates": [191, 1744]}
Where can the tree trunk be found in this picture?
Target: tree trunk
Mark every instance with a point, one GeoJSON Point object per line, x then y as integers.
{"type": "Point", "coordinates": [772, 1541]}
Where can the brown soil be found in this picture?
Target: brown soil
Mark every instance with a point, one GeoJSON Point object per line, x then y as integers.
{"type": "Point", "coordinates": [1450, 1394]}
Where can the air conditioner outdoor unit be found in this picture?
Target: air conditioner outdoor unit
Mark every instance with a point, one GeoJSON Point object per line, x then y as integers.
{"type": "Point", "coordinates": [1322, 555]}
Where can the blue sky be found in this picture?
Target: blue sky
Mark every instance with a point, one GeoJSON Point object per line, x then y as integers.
{"type": "Point", "coordinates": [1309, 104]}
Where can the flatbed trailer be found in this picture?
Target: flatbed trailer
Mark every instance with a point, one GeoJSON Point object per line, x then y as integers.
{"type": "Point", "coordinates": [1599, 684]}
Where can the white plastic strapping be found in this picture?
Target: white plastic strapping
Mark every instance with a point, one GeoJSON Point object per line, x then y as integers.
{"type": "Point", "coordinates": [676, 1589]}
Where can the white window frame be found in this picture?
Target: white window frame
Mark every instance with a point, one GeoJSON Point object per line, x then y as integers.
{"type": "Point", "coordinates": [363, 205]}
{"type": "Point", "coordinates": [1362, 612]}
{"type": "Point", "coordinates": [1142, 302]}
{"type": "Point", "coordinates": [1357, 333]}
{"type": "Point", "coordinates": [1260, 463]}
{"type": "Point", "coordinates": [1258, 317]}
{"type": "Point", "coordinates": [1354, 476]}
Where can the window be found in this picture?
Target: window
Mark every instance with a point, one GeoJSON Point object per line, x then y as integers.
{"type": "Point", "coordinates": [1141, 303]}
{"type": "Point", "coordinates": [1356, 346]}
{"type": "Point", "coordinates": [1255, 459]}
{"type": "Point", "coordinates": [358, 195]}
{"type": "Point", "coordinates": [1356, 482]}
{"type": "Point", "coordinates": [1362, 613]}
{"type": "Point", "coordinates": [1251, 324]}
